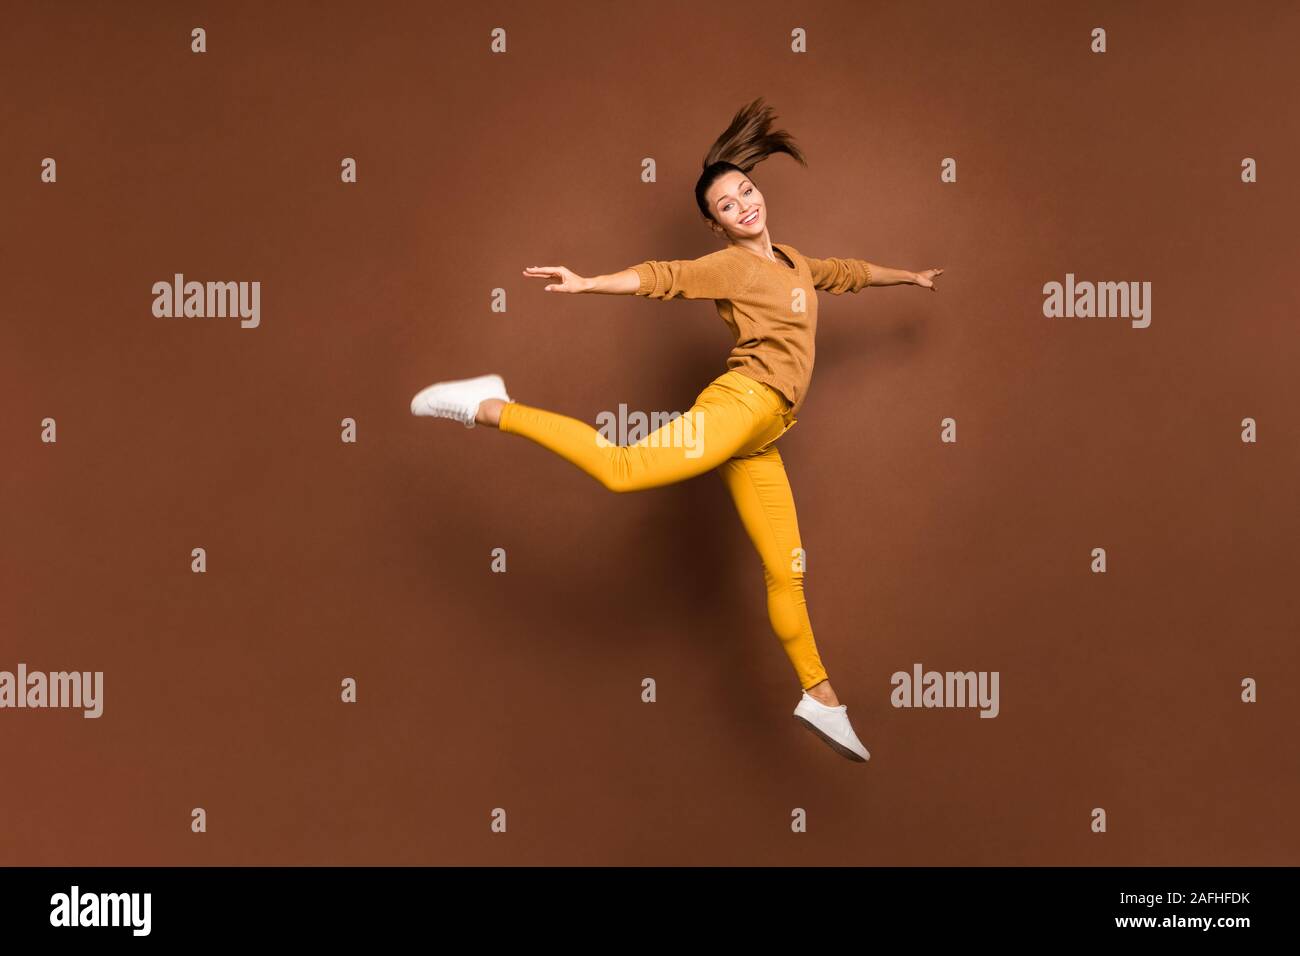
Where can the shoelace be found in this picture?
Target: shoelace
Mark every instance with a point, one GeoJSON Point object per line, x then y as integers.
{"type": "Point", "coordinates": [457, 413]}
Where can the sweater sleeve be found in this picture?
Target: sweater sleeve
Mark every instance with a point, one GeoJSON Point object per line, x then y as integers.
{"type": "Point", "coordinates": [836, 275]}
{"type": "Point", "coordinates": [715, 276]}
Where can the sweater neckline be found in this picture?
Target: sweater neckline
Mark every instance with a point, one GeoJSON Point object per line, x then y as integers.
{"type": "Point", "coordinates": [792, 267]}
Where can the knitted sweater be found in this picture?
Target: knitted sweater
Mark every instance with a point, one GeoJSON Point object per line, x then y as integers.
{"type": "Point", "coordinates": [770, 307]}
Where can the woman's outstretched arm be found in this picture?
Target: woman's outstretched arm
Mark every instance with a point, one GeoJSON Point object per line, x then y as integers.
{"type": "Point", "coordinates": [883, 275]}
{"type": "Point", "coordinates": [836, 275]}
{"type": "Point", "coordinates": [717, 275]}
{"type": "Point", "coordinates": [619, 283]}
{"type": "Point", "coordinates": [624, 282]}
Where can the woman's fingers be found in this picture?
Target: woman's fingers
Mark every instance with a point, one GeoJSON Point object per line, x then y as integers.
{"type": "Point", "coordinates": [569, 281]}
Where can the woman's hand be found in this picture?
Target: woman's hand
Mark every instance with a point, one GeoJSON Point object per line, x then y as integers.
{"type": "Point", "coordinates": [568, 281]}
{"type": "Point", "coordinates": [926, 279]}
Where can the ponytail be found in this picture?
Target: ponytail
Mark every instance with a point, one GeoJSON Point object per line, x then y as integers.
{"type": "Point", "coordinates": [743, 145]}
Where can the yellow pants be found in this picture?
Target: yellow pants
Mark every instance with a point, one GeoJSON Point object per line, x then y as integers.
{"type": "Point", "coordinates": [731, 428]}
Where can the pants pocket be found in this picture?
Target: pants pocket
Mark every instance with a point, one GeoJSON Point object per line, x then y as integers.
{"type": "Point", "coordinates": [788, 422]}
{"type": "Point", "coordinates": [760, 395]}
{"type": "Point", "coordinates": [781, 423]}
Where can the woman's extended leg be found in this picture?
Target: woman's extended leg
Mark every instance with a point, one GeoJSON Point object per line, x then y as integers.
{"type": "Point", "coordinates": [761, 490]}
{"type": "Point", "coordinates": [718, 425]}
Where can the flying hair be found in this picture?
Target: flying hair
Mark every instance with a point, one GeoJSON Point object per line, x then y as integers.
{"type": "Point", "coordinates": [746, 142]}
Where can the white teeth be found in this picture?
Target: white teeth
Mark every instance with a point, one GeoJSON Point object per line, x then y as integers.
{"type": "Point", "coordinates": [750, 219]}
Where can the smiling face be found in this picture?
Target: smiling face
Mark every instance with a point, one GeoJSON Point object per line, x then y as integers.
{"type": "Point", "coordinates": [737, 206]}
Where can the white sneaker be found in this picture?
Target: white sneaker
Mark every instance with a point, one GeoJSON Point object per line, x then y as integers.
{"type": "Point", "coordinates": [832, 725]}
{"type": "Point", "coordinates": [459, 400]}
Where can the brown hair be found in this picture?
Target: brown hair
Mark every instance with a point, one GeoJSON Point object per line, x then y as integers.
{"type": "Point", "coordinates": [743, 145]}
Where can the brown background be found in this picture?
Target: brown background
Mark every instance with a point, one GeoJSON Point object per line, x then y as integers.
{"type": "Point", "coordinates": [482, 690]}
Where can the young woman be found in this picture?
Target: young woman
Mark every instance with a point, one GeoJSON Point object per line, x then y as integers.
{"type": "Point", "coordinates": [766, 293]}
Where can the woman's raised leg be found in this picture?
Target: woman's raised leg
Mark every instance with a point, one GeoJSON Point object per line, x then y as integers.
{"type": "Point", "coordinates": [727, 418]}
{"type": "Point", "coordinates": [717, 426]}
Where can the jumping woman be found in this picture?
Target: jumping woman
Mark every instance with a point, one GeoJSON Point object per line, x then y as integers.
{"type": "Point", "coordinates": [765, 292]}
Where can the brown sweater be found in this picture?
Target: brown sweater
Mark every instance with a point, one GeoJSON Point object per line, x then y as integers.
{"type": "Point", "coordinates": [774, 332]}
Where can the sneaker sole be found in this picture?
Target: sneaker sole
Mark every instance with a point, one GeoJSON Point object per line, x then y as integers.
{"type": "Point", "coordinates": [838, 747]}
